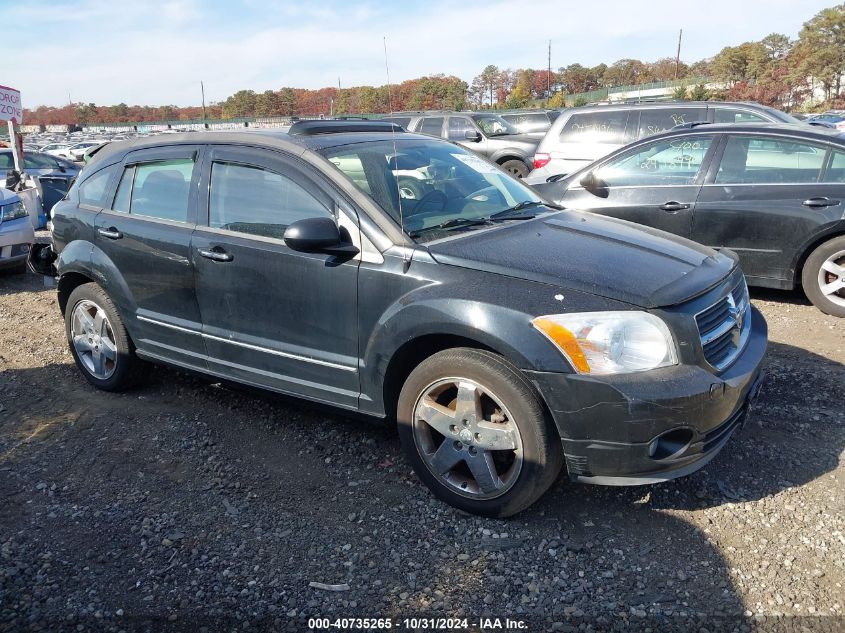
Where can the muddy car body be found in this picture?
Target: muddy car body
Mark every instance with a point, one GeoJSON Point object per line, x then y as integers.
{"type": "Point", "coordinates": [467, 315]}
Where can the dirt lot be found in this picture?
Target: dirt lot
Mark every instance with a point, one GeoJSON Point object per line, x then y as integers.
{"type": "Point", "coordinates": [183, 505]}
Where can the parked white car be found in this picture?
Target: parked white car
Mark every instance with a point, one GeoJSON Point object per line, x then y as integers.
{"type": "Point", "coordinates": [75, 152]}
{"type": "Point", "coordinates": [55, 149]}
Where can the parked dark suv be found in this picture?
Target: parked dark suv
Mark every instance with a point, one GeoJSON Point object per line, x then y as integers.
{"type": "Point", "coordinates": [505, 336]}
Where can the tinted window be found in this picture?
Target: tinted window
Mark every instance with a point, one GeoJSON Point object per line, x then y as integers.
{"type": "Point", "coordinates": [458, 127]}
{"type": "Point", "coordinates": [256, 201]}
{"type": "Point", "coordinates": [529, 122]}
{"type": "Point", "coordinates": [750, 160]}
{"type": "Point", "coordinates": [93, 189]}
{"type": "Point", "coordinates": [729, 115]}
{"type": "Point", "coordinates": [39, 161]}
{"type": "Point", "coordinates": [595, 127]}
{"type": "Point", "coordinates": [669, 162]}
{"type": "Point", "coordinates": [432, 125]}
{"type": "Point", "coordinates": [836, 171]}
{"type": "Point", "coordinates": [399, 120]}
{"type": "Point", "coordinates": [655, 121]}
{"type": "Point", "coordinates": [124, 189]}
{"type": "Point", "coordinates": [6, 160]}
{"type": "Point", "coordinates": [161, 189]}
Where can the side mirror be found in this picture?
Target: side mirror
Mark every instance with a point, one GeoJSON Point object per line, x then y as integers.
{"type": "Point", "coordinates": [472, 135]}
{"type": "Point", "coordinates": [317, 235]}
{"type": "Point", "coordinates": [594, 185]}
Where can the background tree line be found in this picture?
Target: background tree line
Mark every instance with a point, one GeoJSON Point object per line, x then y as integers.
{"type": "Point", "coordinates": [774, 71]}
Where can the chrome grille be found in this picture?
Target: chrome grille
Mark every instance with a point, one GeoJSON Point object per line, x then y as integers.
{"type": "Point", "coordinates": [724, 326]}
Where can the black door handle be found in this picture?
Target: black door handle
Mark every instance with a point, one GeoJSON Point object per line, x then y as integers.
{"type": "Point", "coordinates": [818, 203]}
{"type": "Point", "coordinates": [111, 233]}
{"type": "Point", "coordinates": [673, 207]}
{"type": "Point", "coordinates": [216, 256]}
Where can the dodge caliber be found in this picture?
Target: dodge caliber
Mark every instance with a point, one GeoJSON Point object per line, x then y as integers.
{"type": "Point", "coordinates": [508, 339]}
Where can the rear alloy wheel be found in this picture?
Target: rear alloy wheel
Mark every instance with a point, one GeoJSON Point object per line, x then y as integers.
{"type": "Point", "coordinates": [98, 340]}
{"type": "Point", "coordinates": [515, 167]}
{"type": "Point", "coordinates": [477, 434]}
{"type": "Point", "coordinates": [823, 277]}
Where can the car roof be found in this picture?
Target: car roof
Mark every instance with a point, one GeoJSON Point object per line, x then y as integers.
{"type": "Point", "coordinates": [667, 104]}
{"type": "Point", "coordinates": [808, 131]}
{"type": "Point", "coordinates": [272, 139]}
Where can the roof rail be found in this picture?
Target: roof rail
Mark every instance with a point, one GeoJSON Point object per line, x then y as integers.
{"type": "Point", "coordinates": [690, 125]}
{"type": "Point", "coordinates": [310, 128]}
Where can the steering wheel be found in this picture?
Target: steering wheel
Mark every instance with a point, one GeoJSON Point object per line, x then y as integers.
{"type": "Point", "coordinates": [434, 196]}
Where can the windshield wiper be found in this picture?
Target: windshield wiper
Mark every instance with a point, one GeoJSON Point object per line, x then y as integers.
{"type": "Point", "coordinates": [454, 223]}
{"type": "Point", "coordinates": [515, 212]}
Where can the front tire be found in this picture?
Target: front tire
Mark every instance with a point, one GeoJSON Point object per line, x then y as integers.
{"type": "Point", "coordinates": [477, 434]}
{"type": "Point", "coordinates": [823, 277]}
{"type": "Point", "coordinates": [99, 341]}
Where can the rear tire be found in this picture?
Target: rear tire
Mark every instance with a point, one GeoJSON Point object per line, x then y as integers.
{"type": "Point", "coordinates": [99, 341]}
{"type": "Point", "coordinates": [515, 167]}
{"type": "Point", "coordinates": [823, 277]}
{"type": "Point", "coordinates": [477, 434]}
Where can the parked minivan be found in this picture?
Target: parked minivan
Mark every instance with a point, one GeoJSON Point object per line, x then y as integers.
{"type": "Point", "coordinates": [581, 135]}
{"type": "Point", "coordinates": [504, 336]}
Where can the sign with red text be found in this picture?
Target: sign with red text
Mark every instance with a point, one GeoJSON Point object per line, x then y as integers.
{"type": "Point", "coordinates": [10, 105]}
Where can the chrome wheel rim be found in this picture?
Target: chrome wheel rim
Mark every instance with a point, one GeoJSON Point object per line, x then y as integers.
{"type": "Point", "coordinates": [467, 438]}
{"type": "Point", "coordinates": [93, 339]}
{"type": "Point", "coordinates": [832, 278]}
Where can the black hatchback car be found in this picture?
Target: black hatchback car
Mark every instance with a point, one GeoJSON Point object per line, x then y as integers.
{"type": "Point", "coordinates": [774, 194]}
{"type": "Point", "coordinates": [503, 335]}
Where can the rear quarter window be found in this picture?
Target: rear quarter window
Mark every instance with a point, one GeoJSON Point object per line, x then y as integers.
{"type": "Point", "coordinates": [92, 190]}
{"type": "Point", "coordinates": [595, 127]}
{"type": "Point", "coordinates": [664, 119]}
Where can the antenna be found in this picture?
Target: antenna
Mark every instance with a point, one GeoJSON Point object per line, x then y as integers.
{"type": "Point", "coordinates": [395, 153]}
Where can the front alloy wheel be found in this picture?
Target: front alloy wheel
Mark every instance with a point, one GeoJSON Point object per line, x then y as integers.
{"type": "Point", "coordinates": [476, 432]}
{"type": "Point", "coordinates": [467, 438]}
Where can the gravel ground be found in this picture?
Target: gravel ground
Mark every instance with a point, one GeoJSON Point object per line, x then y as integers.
{"type": "Point", "coordinates": [184, 505]}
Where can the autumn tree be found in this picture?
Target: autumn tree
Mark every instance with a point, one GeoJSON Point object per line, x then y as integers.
{"type": "Point", "coordinates": [821, 45]}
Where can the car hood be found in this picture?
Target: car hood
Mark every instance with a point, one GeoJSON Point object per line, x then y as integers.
{"type": "Point", "coordinates": [590, 253]}
{"type": "Point", "coordinates": [7, 196]}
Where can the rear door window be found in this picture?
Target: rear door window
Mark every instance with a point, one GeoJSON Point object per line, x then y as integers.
{"type": "Point", "coordinates": [595, 127]}
{"type": "Point", "coordinates": [432, 126]}
{"type": "Point", "coordinates": [657, 120]}
{"type": "Point", "coordinates": [768, 160]}
{"type": "Point", "coordinates": [836, 170]}
{"type": "Point", "coordinates": [161, 189]}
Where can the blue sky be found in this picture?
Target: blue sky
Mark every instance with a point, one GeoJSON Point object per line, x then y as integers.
{"type": "Point", "coordinates": [155, 52]}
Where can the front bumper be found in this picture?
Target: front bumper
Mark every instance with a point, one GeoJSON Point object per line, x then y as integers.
{"type": "Point", "coordinates": [652, 426]}
{"type": "Point", "coordinates": [16, 236]}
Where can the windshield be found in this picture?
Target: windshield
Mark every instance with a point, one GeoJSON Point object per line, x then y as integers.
{"type": "Point", "coordinates": [437, 187]}
{"type": "Point", "coordinates": [494, 125]}
{"type": "Point", "coordinates": [780, 115]}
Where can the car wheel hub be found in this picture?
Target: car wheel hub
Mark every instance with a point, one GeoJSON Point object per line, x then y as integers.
{"type": "Point", "coordinates": [467, 438]}
{"type": "Point", "coordinates": [93, 340]}
{"type": "Point", "coordinates": [831, 278]}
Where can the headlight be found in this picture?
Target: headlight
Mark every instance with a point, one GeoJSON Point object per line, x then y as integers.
{"type": "Point", "coordinates": [610, 342]}
{"type": "Point", "coordinates": [12, 211]}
